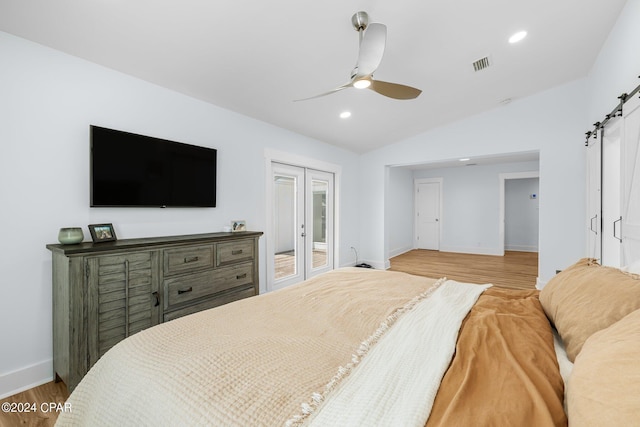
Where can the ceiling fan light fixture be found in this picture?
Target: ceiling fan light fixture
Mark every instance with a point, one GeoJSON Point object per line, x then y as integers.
{"type": "Point", "coordinates": [362, 84]}
{"type": "Point", "coordinates": [373, 39]}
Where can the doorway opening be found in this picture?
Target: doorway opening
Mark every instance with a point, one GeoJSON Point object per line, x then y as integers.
{"type": "Point", "coordinates": [522, 200]}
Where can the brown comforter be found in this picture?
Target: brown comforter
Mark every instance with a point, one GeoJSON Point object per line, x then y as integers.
{"type": "Point", "coordinates": [505, 371]}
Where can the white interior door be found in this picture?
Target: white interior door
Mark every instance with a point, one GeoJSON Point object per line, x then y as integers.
{"type": "Point", "coordinates": [303, 223]}
{"type": "Point", "coordinates": [630, 223]}
{"type": "Point", "coordinates": [594, 197]}
{"type": "Point", "coordinates": [427, 196]}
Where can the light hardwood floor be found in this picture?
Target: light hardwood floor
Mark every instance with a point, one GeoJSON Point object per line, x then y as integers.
{"type": "Point", "coordinates": [518, 270]}
{"type": "Point", "coordinates": [45, 398]}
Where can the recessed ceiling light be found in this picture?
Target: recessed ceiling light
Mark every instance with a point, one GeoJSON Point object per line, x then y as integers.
{"type": "Point", "coordinates": [345, 114]}
{"type": "Point", "coordinates": [517, 37]}
{"type": "Point", "coordinates": [464, 159]}
{"type": "Point", "coordinates": [362, 84]}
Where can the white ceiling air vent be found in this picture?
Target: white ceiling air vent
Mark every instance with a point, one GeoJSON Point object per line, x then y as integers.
{"type": "Point", "coordinates": [481, 64]}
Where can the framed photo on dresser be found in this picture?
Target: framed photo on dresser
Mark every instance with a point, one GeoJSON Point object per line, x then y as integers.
{"type": "Point", "coordinates": [102, 233]}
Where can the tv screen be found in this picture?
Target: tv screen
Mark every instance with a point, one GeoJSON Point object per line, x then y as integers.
{"type": "Point", "coordinates": [130, 170]}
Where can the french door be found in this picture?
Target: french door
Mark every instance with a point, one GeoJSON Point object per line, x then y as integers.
{"type": "Point", "coordinates": [303, 223]}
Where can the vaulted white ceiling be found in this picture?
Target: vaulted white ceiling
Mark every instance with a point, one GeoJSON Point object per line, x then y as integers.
{"type": "Point", "coordinates": [256, 57]}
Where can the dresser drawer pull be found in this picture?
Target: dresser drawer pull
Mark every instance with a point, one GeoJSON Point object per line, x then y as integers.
{"type": "Point", "coordinates": [236, 252]}
{"type": "Point", "coordinates": [157, 297]}
{"type": "Point", "coordinates": [241, 276]}
{"type": "Point", "coordinates": [191, 259]}
{"type": "Point", "coordinates": [180, 291]}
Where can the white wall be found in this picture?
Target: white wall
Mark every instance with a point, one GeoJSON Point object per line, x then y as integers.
{"type": "Point", "coordinates": [551, 123]}
{"type": "Point", "coordinates": [399, 216]}
{"type": "Point", "coordinates": [521, 214]}
{"type": "Point", "coordinates": [48, 100]}
{"type": "Point", "coordinates": [471, 205]}
{"type": "Point", "coordinates": [617, 67]}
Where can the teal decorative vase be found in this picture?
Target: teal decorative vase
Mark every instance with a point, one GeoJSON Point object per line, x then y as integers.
{"type": "Point", "coordinates": [70, 235]}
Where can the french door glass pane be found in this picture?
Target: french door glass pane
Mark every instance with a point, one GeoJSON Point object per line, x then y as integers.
{"type": "Point", "coordinates": [320, 191]}
{"type": "Point", "coordinates": [286, 250]}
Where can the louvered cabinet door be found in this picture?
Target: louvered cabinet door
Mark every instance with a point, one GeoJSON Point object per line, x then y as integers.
{"type": "Point", "coordinates": [123, 298]}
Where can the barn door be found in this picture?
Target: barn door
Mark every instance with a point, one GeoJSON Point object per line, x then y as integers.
{"type": "Point", "coordinates": [630, 221]}
{"type": "Point", "coordinates": [594, 201]}
{"type": "Point", "coordinates": [611, 137]}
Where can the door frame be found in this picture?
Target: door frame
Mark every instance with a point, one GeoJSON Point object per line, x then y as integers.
{"type": "Point", "coordinates": [275, 156]}
{"type": "Point", "coordinates": [416, 183]}
{"type": "Point", "coordinates": [503, 177]}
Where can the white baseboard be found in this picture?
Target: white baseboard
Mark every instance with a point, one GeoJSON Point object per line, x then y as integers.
{"type": "Point", "coordinates": [473, 251]}
{"type": "Point", "coordinates": [521, 248]}
{"type": "Point", "coordinates": [26, 378]}
{"type": "Point", "coordinates": [400, 251]}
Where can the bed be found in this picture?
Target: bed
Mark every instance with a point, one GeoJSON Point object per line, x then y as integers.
{"type": "Point", "coordinates": [357, 347]}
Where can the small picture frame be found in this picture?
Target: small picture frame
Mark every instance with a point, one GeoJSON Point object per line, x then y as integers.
{"type": "Point", "coordinates": [238, 225]}
{"type": "Point", "coordinates": [102, 233]}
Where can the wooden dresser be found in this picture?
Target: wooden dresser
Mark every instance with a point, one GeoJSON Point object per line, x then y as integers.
{"type": "Point", "coordinates": [105, 292]}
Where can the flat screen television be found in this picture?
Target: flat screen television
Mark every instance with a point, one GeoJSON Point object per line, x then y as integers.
{"type": "Point", "coordinates": [130, 170]}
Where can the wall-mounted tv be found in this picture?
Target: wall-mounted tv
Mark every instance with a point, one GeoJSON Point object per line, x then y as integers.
{"type": "Point", "coordinates": [130, 170]}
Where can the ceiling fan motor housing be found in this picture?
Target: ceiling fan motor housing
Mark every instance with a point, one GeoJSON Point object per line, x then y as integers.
{"type": "Point", "coordinates": [360, 20]}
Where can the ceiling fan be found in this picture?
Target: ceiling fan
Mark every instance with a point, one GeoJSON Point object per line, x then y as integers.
{"type": "Point", "coordinates": [372, 38]}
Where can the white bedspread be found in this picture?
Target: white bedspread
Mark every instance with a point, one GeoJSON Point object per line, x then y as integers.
{"type": "Point", "coordinates": [396, 383]}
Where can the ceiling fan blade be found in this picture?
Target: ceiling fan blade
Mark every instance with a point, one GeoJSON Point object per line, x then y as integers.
{"type": "Point", "coordinates": [394, 90]}
{"type": "Point", "coordinates": [339, 88]}
{"type": "Point", "coordinates": [371, 49]}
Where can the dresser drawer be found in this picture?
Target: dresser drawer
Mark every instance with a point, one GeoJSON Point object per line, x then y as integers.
{"type": "Point", "coordinates": [232, 252]}
{"type": "Point", "coordinates": [186, 288]}
{"type": "Point", "coordinates": [181, 260]}
{"type": "Point", "coordinates": [244, 292]}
